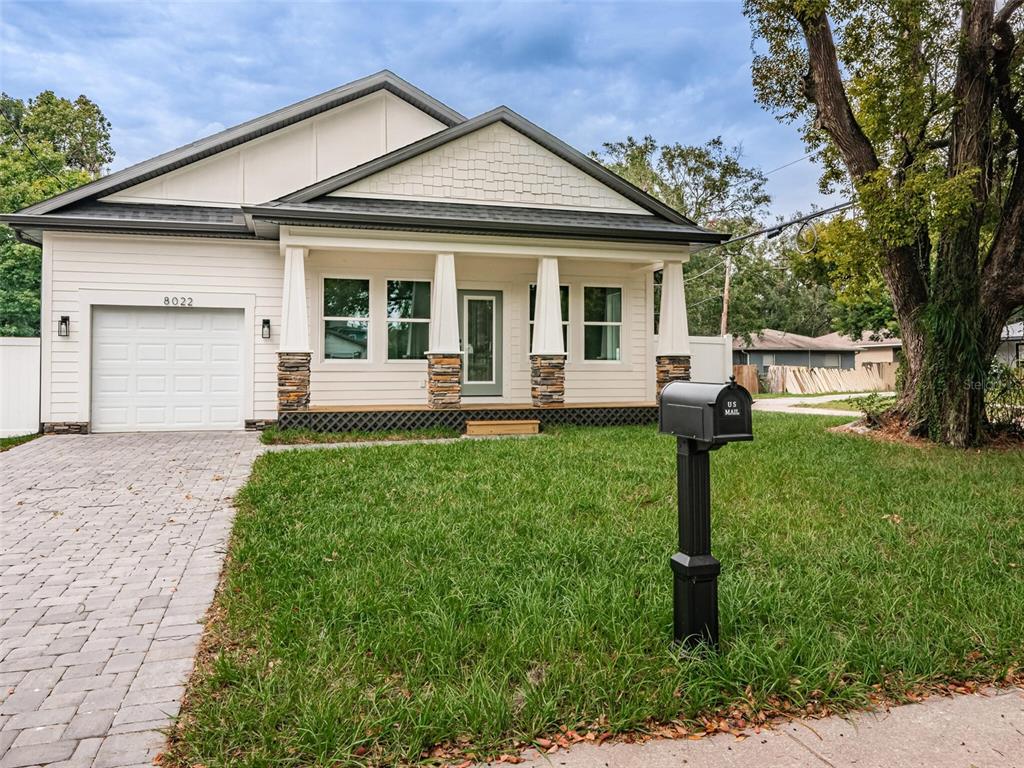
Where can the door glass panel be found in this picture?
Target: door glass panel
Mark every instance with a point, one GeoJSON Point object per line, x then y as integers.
{"type": "Point", "coordinates": [479, 340]}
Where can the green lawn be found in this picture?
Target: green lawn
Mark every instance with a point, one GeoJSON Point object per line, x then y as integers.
{"type": "Point", "coordinates": [383, 600]}
{"type": "Point", "coordinates": [6, 443]}
{"type": "Point", "coordinates": [276, 436]}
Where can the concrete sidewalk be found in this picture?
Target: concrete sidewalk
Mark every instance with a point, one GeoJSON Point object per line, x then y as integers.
{"type": "Point", "coordinates": [971, 731]}
{"type": "Point", "coordinates": [798, 404]}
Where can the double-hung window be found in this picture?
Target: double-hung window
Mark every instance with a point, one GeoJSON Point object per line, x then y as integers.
{"type": "Point", "coordinates": [563, 291]}
{"type": "Point", "coordinates": [346, 318]}
{"type": "Point", "coordinates": [602, 323]}
{"type": "Point", "coordinates": [408, 319]}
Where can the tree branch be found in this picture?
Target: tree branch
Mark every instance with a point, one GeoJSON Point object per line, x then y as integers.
{"type": "Point", "coordinates": [1003, 17]}
{"type": "Point", "coordinates": [823, 85]}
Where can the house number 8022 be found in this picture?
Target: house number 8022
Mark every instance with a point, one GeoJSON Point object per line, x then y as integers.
{"type": "Point", "coordinates": [177, 301]}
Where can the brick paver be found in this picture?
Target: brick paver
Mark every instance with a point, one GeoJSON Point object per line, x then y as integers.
{"type": "Point", "coordinates": [111, 550]}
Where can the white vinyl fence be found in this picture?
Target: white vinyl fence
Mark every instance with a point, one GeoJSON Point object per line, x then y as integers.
{"type": "Point", "coordinates": [19, 386]}
{"type": "Point", "coordinates": [711, 358]}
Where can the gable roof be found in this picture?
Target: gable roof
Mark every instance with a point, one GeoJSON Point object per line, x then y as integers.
{"type": "Point", "coordinates": [515, 121]}
{"type": "Point", "coordinates": [249, 130]}
{"type": "Point", "coordinates": [769, 340]}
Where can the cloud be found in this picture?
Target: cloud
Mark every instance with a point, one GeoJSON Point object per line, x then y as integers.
{"type": "Point", "coordinates": [168, 73]}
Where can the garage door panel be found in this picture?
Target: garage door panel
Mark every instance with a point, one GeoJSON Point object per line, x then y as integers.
{"type": "Point", "coordinates": [158, 368]}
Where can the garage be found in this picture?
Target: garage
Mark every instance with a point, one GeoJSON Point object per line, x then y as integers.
{"type": "Point", "coordinates": [167, 368]}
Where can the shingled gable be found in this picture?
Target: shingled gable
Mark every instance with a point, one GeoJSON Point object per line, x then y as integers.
{"type": "Point", "coordinates": [501, 115]}
{"type": "Point", "coordinates": [247, 131]}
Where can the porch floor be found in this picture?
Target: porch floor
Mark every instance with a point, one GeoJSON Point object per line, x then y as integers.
{"type": "Point", "coordinates": [472, 407]}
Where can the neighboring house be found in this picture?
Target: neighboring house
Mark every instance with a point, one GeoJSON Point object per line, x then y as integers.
{"type": "Point", "coordinates": [1011, 345]}
{"type": "Point", "coordinates": [883, 348]}
{"type": "Point", "coordinates": [367, 251]}
{"type": "Point", "coordinates": [771, 347]}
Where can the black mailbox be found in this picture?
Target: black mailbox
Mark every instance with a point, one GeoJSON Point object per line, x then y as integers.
{"type": "Point", "coordinates": [702, 417]}
{"type": "Point", "coordinates": [712, 414]}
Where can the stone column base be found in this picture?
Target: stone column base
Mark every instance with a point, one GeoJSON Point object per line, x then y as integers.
{"type": "Point", "coordinates": [671, 368]}
{"type": "Point", "coordinates": [444, 380]}
{"type": "Point", "coordinates": [547, 380]}
{"type": "Point", "coordinates": [292, 381]}
{"type": "Point", "coordinates": [66, 428]}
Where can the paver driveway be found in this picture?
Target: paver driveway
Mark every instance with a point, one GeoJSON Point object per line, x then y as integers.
{"type": "Point", "coordinates": [111, 550]}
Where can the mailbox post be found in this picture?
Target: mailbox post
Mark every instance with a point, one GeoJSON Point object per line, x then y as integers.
{"type": "Point", "coordinates": [703, 418]}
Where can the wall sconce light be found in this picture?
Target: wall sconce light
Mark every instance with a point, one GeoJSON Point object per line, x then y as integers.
{"type": "Point", "coordinates": [64, 326]}
{"type": "Point", "coordinates": [266, 328]}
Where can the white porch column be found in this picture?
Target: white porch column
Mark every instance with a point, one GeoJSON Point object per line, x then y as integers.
{"type": "Point", "coordinates": [444, 356]}
{"type": "Point", "coordinates": [547, 347]}
{"type": "Point", "coordinates": [547, 316]}
{"type": "Point", "coordinates": [294, 313]}
{"type": "Point", "coordinates": [293, 352]}
{"type": "Point", "coordinates": [673, 353]}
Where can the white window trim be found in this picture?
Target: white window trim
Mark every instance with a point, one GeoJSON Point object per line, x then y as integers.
{"type": "Point", "coordinates": [370, 333]}
{"type": "Point", "coordinates": [565, 321]}
{"type": "Point", "coordinates": [621, 324]}
{"type": "Point", "coordinates": [388, 320]}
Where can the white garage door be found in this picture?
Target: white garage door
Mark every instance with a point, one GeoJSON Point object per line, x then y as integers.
{"type": "Point", "coordinates": [157, 368]}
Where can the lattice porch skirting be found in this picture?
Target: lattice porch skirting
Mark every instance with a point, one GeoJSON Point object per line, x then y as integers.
{"type": "Point", "coordinates": [386, 421]}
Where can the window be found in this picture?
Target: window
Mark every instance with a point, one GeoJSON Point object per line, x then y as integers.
{"type": "Point", "coordinates": [408, 319]}
{"type": "Point", "coordinates": [657, 299]}
{"type": "Point", "coordinates": [346, 318]}
{"type": "Point", "coordinates": [602, 323]}
{"type": "Point", "coordinates": [563, 290]}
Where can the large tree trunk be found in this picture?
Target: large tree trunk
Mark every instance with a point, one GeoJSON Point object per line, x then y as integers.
{"type": "Point", "coordinates": [950, 317]}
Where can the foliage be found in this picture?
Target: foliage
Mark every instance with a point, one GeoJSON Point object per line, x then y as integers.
{"type": "Point", "coordinates": [917, 111]}
{"type": "Point", "coordinates": [382, 600]}
{"type": "Point", "coordinates": [47, 145]}
{"type": "Point", "coordinates": [710, 185]}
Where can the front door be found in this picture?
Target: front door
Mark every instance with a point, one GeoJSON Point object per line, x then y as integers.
{"type": "Point", "coordinates": [480, 323]}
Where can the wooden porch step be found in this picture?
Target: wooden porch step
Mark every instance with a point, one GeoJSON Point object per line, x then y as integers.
{"type": "Point", "coordinates": [509, 427]}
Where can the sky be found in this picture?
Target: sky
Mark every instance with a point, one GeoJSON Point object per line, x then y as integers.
{"type": "Point", "coordinates": [167, 73]}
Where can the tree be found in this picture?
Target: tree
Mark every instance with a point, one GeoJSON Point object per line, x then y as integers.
{"type": "Point", "coordinates": [710, 185]}
{"type": "Point", "coordinates": [47, 145]}
{"type": "Point", "coordinates": [915, 108]}
{"type": "Point", "coordinates": [860, 298]}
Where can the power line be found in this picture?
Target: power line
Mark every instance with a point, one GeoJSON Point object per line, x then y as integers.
{"type": "Point", "coordinates": [791, 162]}
{"type": "Point", "coordinates": [27, 146]}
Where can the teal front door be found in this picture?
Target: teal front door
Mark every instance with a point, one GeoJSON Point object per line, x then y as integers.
{"type": "Point", "coordinates": [480, 325]}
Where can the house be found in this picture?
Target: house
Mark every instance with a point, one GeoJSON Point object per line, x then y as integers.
{"type": "Point", "coordinates": [871, 347]}
{"type": "Point", "coordinates": [1011, 345]}
{"type": "Point", "coordinates": [771, 347]}
{"type": "Point", "coordinates": [366, 258]}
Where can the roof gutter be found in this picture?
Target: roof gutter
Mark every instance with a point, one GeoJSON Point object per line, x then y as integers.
{"type": "Point", "coordinates": [467, 226]}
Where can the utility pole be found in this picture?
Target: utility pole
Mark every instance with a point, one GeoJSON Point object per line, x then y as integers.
{"type": "Point", "coordinates": [724, 329]}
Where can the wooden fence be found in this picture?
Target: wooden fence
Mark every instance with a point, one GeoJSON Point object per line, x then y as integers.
{"type": "Point", "coordinates": [746, 377]}
{"type": "Point", "coordinates": [797, 380]}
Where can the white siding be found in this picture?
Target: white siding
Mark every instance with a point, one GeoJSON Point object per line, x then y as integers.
{"type": "Point", "coordinates": [294, 157]}
{"type": "Point", "coordinates": [497, 165]}
{"type": "Point", "coordinates": [378, 381]}
{"type": "Point", "coordinates": [75, 264]}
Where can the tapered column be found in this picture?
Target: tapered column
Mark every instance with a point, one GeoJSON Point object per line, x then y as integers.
{"type": "Point", "coordinates": [444, 356]}
{"type": "Point", "coordinates": [294, 352]}
{"type": "Point", "coordinates": [547, 347]}
{"type": "Point", "coordinates": [673, 353]}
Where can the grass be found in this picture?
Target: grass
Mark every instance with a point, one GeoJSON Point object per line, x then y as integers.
{"type": "Point", "coordinates": [276, 436]}
{"type": "Point", "coordinates": [380, 601]}
{"type": "Point", "coordinates": [853, 405]}
{"type": "Point", "coordinates": [6, 443]}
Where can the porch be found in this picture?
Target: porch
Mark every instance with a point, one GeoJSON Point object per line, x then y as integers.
{"type": "Point", "coordinates": [397, 330]}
